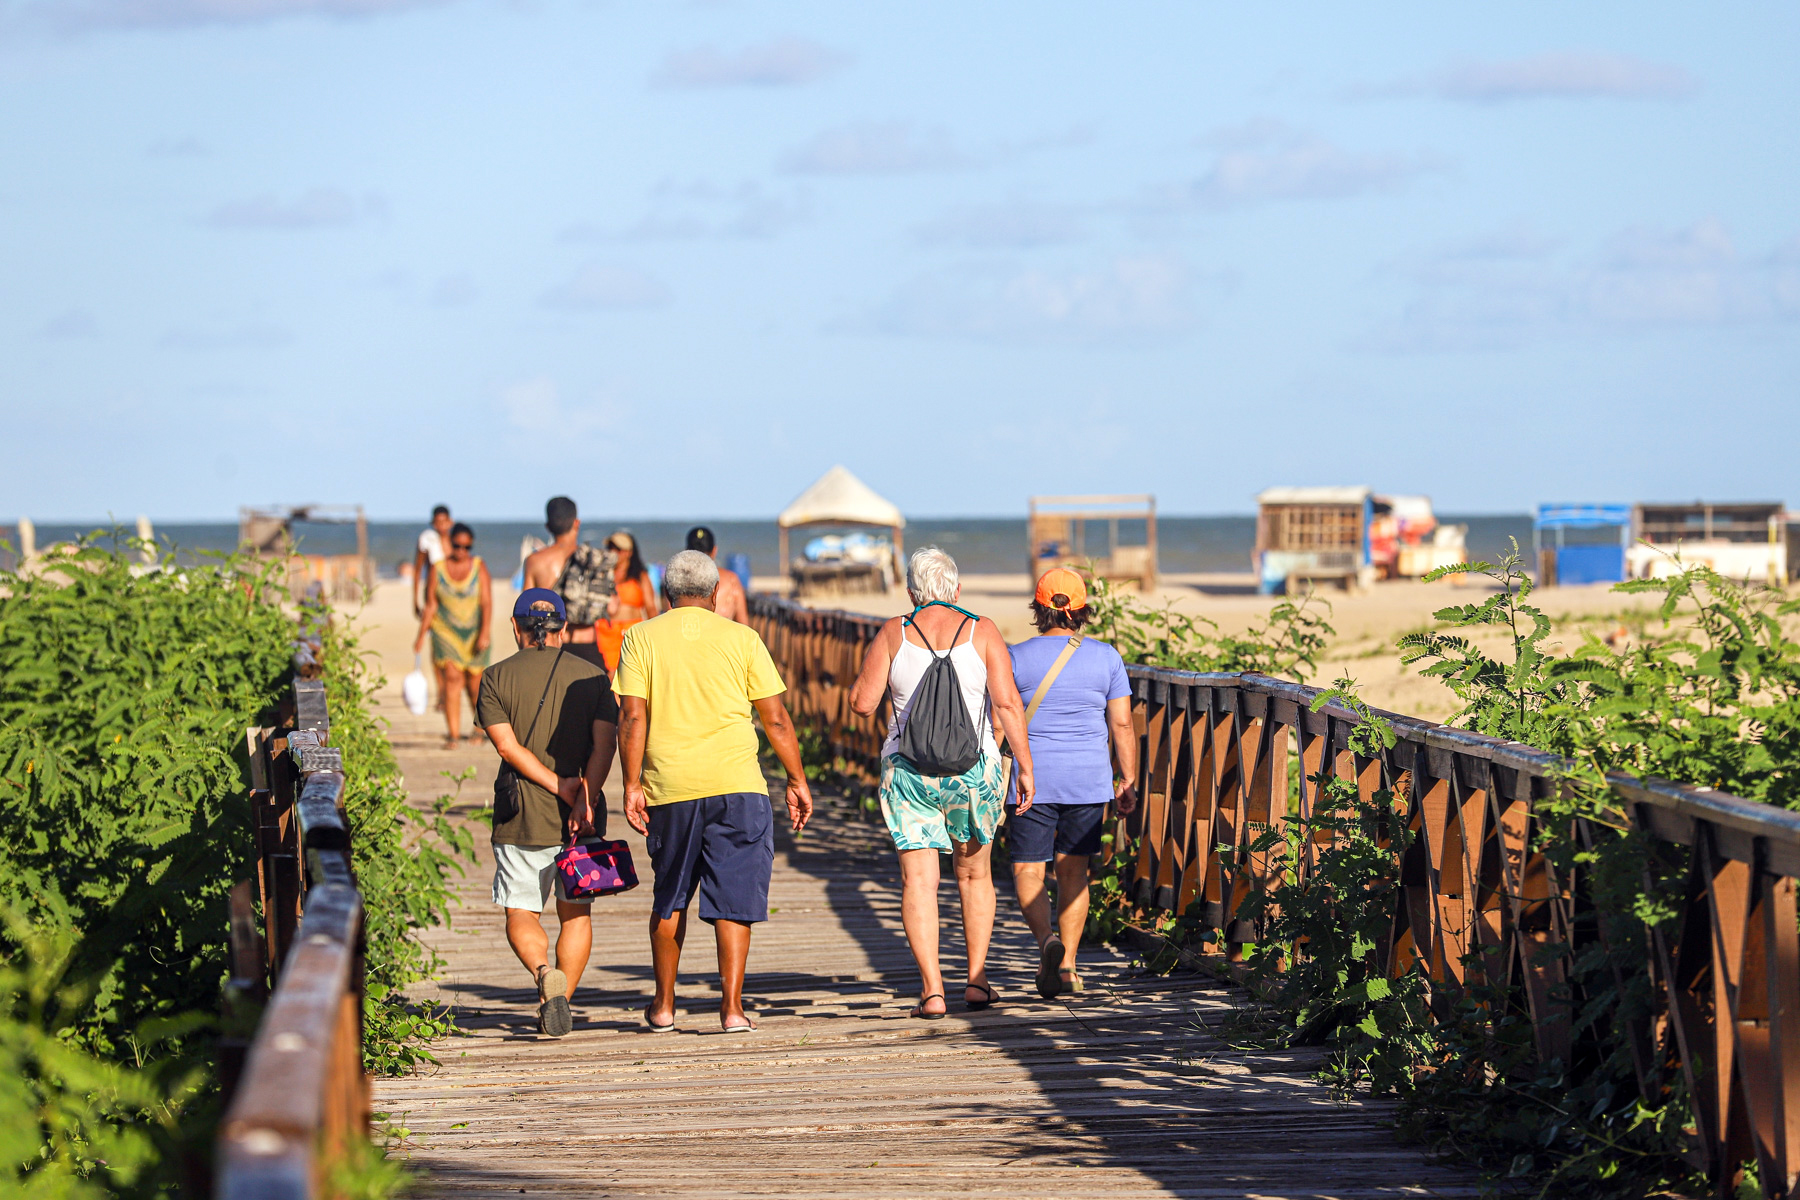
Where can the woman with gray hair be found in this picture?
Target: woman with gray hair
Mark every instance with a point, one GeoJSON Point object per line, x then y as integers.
{"type": "Point", "coordinates": [958, 812]}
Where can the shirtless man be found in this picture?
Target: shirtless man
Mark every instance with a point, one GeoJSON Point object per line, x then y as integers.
{"type": "Point", "coordinates": [730, 603]}
{"type": "Point", "coordinates": [548, 568]}
{"type": "Point", "coordinates": [434, 546]}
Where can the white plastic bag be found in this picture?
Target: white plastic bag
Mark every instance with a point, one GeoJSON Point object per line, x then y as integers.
{"type": "Point", "coordinates": [415, 689]}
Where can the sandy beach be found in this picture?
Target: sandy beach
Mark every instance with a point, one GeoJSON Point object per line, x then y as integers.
{"type": "Point", "coordinates": [1367, 624]}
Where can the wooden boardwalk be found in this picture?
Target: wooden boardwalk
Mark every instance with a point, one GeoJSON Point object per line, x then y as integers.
{"type": "Point", "coordinates": [1121, 1092]}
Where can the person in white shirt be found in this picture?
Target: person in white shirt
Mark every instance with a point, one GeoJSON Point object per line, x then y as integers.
{"type": "Point", "coordinates": [430, 553]}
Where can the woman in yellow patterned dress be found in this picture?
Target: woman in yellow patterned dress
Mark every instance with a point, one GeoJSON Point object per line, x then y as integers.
{"type": "Point", "coordinates": [459, 600]}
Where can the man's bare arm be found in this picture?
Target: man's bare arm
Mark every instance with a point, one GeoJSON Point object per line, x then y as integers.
{"type": "Point", "coordinates": [634, 733]}
{"type": "Point", "coordinates": [780, 728]}
{"type": "Point", "coordinates": [522, 760]}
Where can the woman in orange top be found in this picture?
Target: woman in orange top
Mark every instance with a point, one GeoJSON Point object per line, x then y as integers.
{"type": "Point", "coordinates": [635, 601]}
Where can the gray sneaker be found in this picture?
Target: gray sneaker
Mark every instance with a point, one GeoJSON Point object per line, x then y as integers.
{"type": "Point", "coordinates": [554, 1017]}
{"type": "Point", "coordinates": [1049, 972]}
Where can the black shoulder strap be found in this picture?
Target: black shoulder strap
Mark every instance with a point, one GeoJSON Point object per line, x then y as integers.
{"type": "Point", "coordinates": [954, 638]}
{"type": "Point", "coordinates": [905, 621]}
{"type": "Point", "coordinates": [540, 708]}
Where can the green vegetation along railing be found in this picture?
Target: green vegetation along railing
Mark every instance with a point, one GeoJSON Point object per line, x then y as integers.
{"type": "Point", "coordinates": [298, 1095]}
{"type": "Point", "coordinates": [1481, 910]}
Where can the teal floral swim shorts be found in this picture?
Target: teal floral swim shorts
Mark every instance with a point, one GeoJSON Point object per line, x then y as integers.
{"type": "Point", "coordinates": [925, 812]}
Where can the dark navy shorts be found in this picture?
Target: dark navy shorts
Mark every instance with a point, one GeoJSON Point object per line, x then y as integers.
{"type": "Point", "coordinates": [724, 845]}
{"type": "Point", "coordinates": [1032, 835]}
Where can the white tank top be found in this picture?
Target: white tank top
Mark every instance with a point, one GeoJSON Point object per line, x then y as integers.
{"type": "Point", "coordinates": [971, 673]}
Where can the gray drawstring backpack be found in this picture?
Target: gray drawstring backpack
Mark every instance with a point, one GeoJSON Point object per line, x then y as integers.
{"type": "Point", "coordinates": [939, 738]}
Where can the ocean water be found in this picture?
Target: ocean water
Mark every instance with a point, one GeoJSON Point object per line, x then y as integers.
{"type": "Point", "coordinates": [980, 545]}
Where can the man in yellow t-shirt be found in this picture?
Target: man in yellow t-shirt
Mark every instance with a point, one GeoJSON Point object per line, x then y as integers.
{"type": "Point", "coordinates": [688, 682]}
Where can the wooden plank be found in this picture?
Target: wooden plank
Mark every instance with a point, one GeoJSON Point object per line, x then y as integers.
{"type": "Point", "coordinates": [1106, 1094]}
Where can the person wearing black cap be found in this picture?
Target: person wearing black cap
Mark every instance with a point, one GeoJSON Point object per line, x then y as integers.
{"type": "Point", "coordinates": [553, 720]}
{"type": "Point", "coordinates": [731, 603]}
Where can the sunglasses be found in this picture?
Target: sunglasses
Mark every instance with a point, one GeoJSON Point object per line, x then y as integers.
{"type": "Point", "coordinates": [462, 545]}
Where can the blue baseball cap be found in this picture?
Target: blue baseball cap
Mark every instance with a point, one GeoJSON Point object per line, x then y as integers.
{"type": "Point", "coordinates": [531, 596]}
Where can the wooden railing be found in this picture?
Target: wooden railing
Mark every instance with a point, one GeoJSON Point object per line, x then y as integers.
{"type": "Point", "coordinates": [297, 1094]}
{"type": "Point", "coordinates": [1480, 900]}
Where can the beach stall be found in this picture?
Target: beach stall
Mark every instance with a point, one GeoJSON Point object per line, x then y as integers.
{"type": "Point", "coordinates": [834, 564]}
{"type": "Point", "coordinates": [1406, 541]}
{"type": "Point", "coordinates": [1307, 534]}
{"type": "Point", "coordinates": [1058, 534]}
{"type": "Point", "coordinates": [1581, 543]}
{"type": "Point", "coordinates": [1745, 540]}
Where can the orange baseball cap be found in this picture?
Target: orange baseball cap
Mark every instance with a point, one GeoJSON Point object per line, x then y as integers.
{"type": "Point", "coordinates": [1060, 581]}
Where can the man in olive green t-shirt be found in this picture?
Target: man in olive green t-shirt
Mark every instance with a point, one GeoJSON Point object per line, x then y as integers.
{"type": "Point", "coordinates": [554, 722]}
{"type": "Point", "coordinates": [688, 683]}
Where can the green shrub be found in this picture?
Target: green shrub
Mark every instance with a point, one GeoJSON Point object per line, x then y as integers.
{"type": "Point", "coordinates": [1713, 699]}
{"type": "Point", "coordinates": [1286, 645]}
{"type": "Point", "coordinates": [74, 1126]}
{"type": "Point", "coordinates": [124, 695]}
{"type": "Point", "coordinates": [403, 859]}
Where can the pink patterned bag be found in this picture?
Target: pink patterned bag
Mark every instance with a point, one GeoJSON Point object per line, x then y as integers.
{"type": "Point", "coordinates": [596, 868]}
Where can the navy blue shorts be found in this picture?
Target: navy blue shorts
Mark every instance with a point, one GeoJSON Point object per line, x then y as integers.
{"type": "Point", "coordinates": [724, 845]}
{"type": "Point", "coordinates": [1032, 835]}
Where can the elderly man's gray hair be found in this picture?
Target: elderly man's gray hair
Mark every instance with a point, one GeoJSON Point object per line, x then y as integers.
{"type": "Point", "coordinates": [931, 575]}
{"type": "Point", "coordinates": [690, 574]}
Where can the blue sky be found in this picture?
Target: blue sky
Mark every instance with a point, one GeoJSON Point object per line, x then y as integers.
{"type": "Point", "coordinates": [678, 259]}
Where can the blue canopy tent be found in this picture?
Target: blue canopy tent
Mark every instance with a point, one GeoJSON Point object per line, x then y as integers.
{"type": "Point", "coordinates": [1596, 554]}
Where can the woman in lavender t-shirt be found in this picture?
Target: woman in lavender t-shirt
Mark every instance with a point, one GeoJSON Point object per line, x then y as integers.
{"type": "Point", "coordinates": [1089, 698]}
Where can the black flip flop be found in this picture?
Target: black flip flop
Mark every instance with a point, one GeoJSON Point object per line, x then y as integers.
{"type": "Point", "coordinates": [978, 1005]}
{"type": "Point", "coordinates": [921, 1014]}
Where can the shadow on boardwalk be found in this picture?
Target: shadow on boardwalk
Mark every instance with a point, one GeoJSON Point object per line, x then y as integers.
{"type": "Point", "coordinates": [1119, 1093]}
{"type": "Point", "coordinates": [1127, 1074]}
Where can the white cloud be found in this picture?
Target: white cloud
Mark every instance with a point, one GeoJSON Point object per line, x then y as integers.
{"type": "Point", "coordinates": [599, 286]}
{"type": "Point", "coordinates": [1639, 280]}
{"type": "Point", "coordinates": [1568, 76]}
{"type": "Point", "coordinates": [75, 16]}
{"type": "Point", "coordinates": [83, 16]}
{"type": "Point", "coordinates": [685, 211]}
{"type": "Point", "coordinates": [1689, 276]}
{"type": "Point", "coordinates": [1128, 299]}
{"type": "Point", "coordinates": [75, 323]}
{"type": "Point", "coordinates": [783, 62]}
{"type": "Point", "coordinates": [317, 209]}
{"type": "Point", "coordinates": [249, 336]}
{"type": "Point", "coordinates": [1016, 225]}
{"type": "Point", "coordinates": [1265, 160]}
{"type": "Point", "coordinates": [535, 407]}
{"type": "Point", "coordinates": [876, 148]}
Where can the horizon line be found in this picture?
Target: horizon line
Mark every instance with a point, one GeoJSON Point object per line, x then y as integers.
{"type": "Point", "coordinates": [123, 522]}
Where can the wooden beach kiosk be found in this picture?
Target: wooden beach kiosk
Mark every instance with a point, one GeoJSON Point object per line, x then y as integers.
{"type": "Point", "coordinates": [1305, 534]}
{"type": "Point", "coordinates": [838, 498]}
{"type": "Point", "coordinates": [1056, 531]}
{"type": "Point", "coordinates": [1607, 543]}
{"type": "Point", "coordinates": [1745, 540]}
